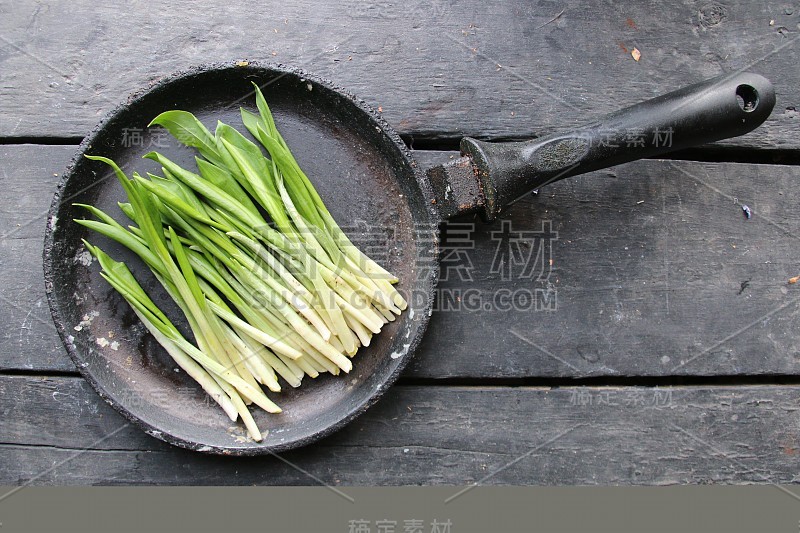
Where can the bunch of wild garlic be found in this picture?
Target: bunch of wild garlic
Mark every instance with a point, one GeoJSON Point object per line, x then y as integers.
{"type": "Point", "coordinates": [289, 299]}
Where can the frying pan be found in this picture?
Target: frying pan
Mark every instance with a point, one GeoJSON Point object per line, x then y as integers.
{"type": "Point", "coordinates": [365, 174]}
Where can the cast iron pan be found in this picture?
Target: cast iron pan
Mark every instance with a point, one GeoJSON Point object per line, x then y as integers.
{"type": "Point", "coordinates": [370, 182]}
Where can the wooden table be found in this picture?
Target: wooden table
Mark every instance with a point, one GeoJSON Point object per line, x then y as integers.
{"type": "Point", "coordinates": [673, 355]}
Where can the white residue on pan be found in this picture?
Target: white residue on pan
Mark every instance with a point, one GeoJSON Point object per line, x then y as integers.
{"type": "Point", "coordinates": [83, 257]}
{"type": "Point", "coordinates": [87, 320]}
{"type": "Point", "coordinates": [241, 437]}
{"type": "Point", "coordinates": [400, 353]}
{"type": "Point", "coordinates": [51, 222]}
{"type": "Point", "coordinates": [103, 342]}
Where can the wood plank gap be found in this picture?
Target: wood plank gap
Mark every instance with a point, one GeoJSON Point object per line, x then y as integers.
{"type": "Point", "coordinates": [710, 153]}
{"type": "Point", "coordinates": [544, 382]}
{"type": "Point", "coordinates": [604, 381]}
{"type": "Point", "coordinates": [705, 154]}
{"type": "Point", "coordinates": [33, 373]}
{"type": "Point", "coordinates": [45, 141]}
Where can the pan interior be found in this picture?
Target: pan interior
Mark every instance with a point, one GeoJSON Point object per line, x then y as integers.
{"type": "Point", "coordinates": [367, 181]}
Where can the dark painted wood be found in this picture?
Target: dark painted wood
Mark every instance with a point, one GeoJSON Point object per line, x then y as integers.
{"type": "Point", "coordinates": [433, 435]}
{"type": "Point", "coordinates": [28, 177]}
{"type": "Point", "coordinates": [647, 274]}
{"type": "Point", "coordinates": [437, 69]}
{"type": "Point", "coordinates": [656, 270]}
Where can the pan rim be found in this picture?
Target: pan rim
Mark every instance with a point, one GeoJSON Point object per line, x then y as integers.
{"type": "Point", "coordinates": [428, 284]}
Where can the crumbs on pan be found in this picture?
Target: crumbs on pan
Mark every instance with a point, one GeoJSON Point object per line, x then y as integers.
{"type": "Point", "coordinates": [87, 320]}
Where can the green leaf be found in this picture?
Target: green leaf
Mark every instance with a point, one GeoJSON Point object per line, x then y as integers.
{"type": "Point", "coordinates": [206, 189]}
{"type": "Point", "coordinates": [206, 238]}
{"type": "Point", "coordinates": [238, 140]}
{"type": "Point", "coordinates": [189, 131]}
{"type": "Point", "coordinates": [186, 268]}
{"type": "Point", "coordinates": [148, 213]}
{"type": "Point", "coordinates": [225, 181]}
{"type": "Point", "coordinates": [127, 210]}
{"type": "Point", "coordinates": [177, 187]}
{"type": "Point", "coordinates": [304, 200]}
{"type": "Point", "coordinates": [118, 171]}
{"type": "Point", "coordinates": [234, 223]}
{"type": "Point", "coordinates": [266, 115]}
{"type": "Point", "coordinates": [127, 239]}
{"type": "Point", "coordinates": [176, 203]}
{"type": "Point", "coordinates": [145, 214]}
{"type": "Point", "coordinates": [250, 121]}
{"type": "Point", "coordinates": [119, 273]}
{"type": "Point", "coordinates": [99, 213]}
{"type": "Point", "coordinates": [256, 171]}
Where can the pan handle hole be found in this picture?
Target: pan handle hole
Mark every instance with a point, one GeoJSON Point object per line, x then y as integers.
{"type": "Point", "coordinates": [747, 97]}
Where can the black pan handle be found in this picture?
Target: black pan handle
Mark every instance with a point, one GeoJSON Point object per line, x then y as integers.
{"type": "Point", "coordinates": [719, 108]}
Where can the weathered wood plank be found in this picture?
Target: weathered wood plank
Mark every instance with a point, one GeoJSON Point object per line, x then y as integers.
{"type": "Point", "coordinates": [439, 69]}
{"type": "Point", "coordinates": [647, 274]}
{"type": "Point", "coordinates": [28, 179]}
{"type": "Point", "coordinates": [434, 435]}
{"type": "Point", "coordinates": [656, 271]}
